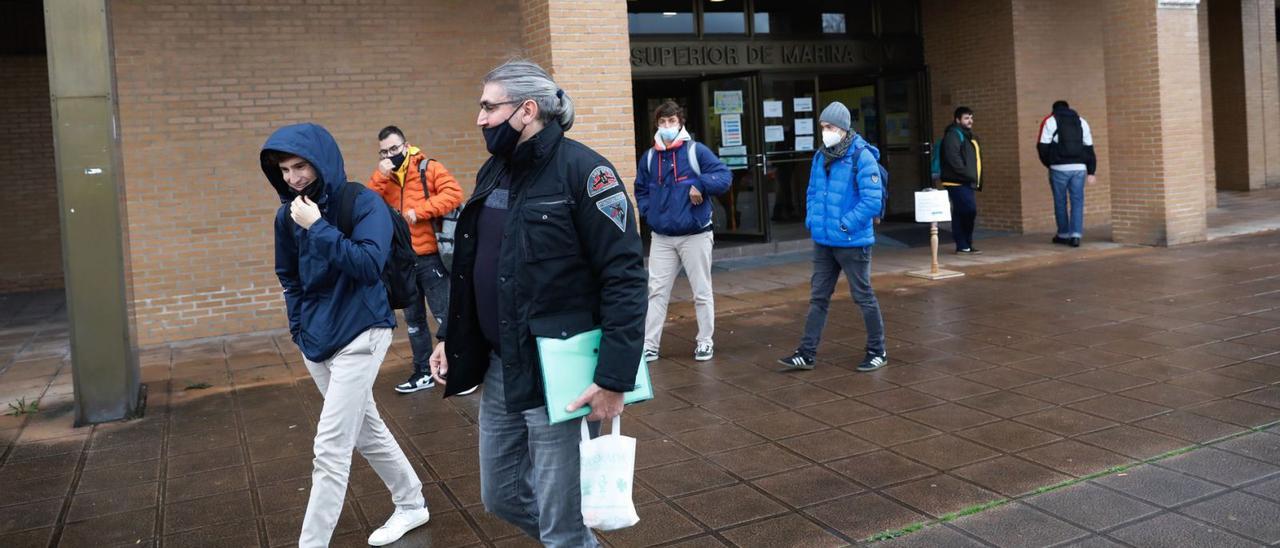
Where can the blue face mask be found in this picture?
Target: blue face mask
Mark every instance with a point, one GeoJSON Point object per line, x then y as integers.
{"type": "Point", "coordinates": [668, 133]}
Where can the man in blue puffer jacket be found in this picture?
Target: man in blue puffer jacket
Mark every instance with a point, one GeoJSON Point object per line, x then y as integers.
{"type": "Point", "coordinates": [674, 198]}
{"type": "Point", "coordinates": [844, 198]}
{"type": "Point", "coordinates": [340, 318]}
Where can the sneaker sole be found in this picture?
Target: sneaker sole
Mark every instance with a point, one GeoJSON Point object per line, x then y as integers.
{"type": "Point", "coordinates": [406, 531]}
{"type": "Point", "coordinates": [472, 390]}
{"type": "Point", "coordinates": [412, 390]}
{"type": "Point", "coordinates": [702, 358]}
{"type": "Point", "coordinates": [793, 366]}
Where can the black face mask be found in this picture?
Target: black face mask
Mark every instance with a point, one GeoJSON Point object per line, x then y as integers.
{"type": "Point", "coordinates": [397, 160]}
{"type": "Point", "coordinates": [312, 191]}
{"type": "Point", "coordinates": [501, 139]}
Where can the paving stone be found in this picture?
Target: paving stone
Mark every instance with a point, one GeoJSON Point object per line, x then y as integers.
{"type": "Point", "coordinates": [1175, 530]}
{"type": "Point", "coordinates": [862, 516]}
{"type": "Point", "coordinates": [1158, 485]}
{"type": "Point", "coordinates": [1219, 466]}
{"type": "Point", "coordinates": [1241, 513]}
{"type": "Point", "coordinates": [1019, 525]}
{"type": "Point", "coordinates": [1091, 506]}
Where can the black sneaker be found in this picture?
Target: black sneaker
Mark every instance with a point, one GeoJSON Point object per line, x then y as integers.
{"type": "Point", "coordinates": [797, 361]}
{"type": "Point", "coordinates": [1075, 242]}
{"type": "Point", "coordinates": [415, 383]}
{"type": "Point", "coordinates": [969, 251]}
{"type": "Point", "coordinates": [873, 362]}
{"type": "Point", "coordinates": [1061, 240]}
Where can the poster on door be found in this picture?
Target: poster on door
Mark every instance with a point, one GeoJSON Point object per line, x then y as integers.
{"type": "Point", "coordinates": [728, 102]}
{"type": "Point", "coordinates": [730, 129]}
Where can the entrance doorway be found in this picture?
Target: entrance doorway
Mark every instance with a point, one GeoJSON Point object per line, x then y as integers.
{"type": "Point", "coordinates": [764, 127]}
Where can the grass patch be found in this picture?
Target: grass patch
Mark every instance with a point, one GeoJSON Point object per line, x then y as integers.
{"type": "Point", "coordinates": [973, 510]}
{"type": "Point", "coordinates": [21, 407]}
{"type": "Point", "coordinates": [895, 533]}
{"type": "Point", "coordinates": [198, 386]}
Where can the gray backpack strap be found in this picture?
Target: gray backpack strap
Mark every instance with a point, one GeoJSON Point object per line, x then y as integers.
{"type": "Point", "coordinates": [422, 176]}
{"type": "Point", "coordinates": [648, 160]}
{"type": "Point", "coordinates": [693, 158]}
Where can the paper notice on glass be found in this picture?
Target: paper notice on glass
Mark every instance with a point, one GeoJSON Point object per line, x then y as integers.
{"type": "Point", "coordinates": [804, 142]}
{"type": "Point", "coordinates": [774, 134]}
{"type": "Point", "coordinates": [733, 151]}
{"type": "Point", "coordinates": [728, 102]}
{"type": "Point", "coordinates": [932, 206]}
{"type": "Point", "coordinates": [773, 109]}
{"type": "Point", "coordinates": [730, 129]}
{"type": "Point", "coordinates": [803, 104]}
{"type": "Point", "coordinates": [804, 126]}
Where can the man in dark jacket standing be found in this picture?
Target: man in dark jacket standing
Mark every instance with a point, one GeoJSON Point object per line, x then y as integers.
{"type": "Point", "coordinates": [340, 318]}
{"type": "Point", "coordinates": [546, 247]}
{"type": "Point", "coordinates": [1066, 148]}
{"type": "Point", "coordinates": [961, 175]}
{"type": "Point", "coordinates": [673, 195]}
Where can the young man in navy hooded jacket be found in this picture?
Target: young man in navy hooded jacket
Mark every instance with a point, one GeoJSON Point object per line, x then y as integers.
{"type": "Point", "coordinates": [674, 200]}
{"type": "Point", "coordinates": [341, 321]}
{"type": "Point", "coordinates": [844, 198]}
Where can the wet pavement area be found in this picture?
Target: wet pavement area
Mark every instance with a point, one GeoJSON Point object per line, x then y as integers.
{"type": "Point", "coordinates": [1101, 396]}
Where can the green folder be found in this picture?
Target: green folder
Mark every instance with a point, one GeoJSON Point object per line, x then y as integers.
{"type": "Point", "coordinates": [569, 367]}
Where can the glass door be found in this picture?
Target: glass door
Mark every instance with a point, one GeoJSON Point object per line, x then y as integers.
{"type": "Point", "coordinates": [905, 151]}
{"type": "Point", "coordinates": [730, 120]}
{"type": "Point", "coordinates": [788, 120]}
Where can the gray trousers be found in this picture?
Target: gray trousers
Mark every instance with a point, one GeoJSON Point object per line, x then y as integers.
{"type": "Point", "coordinates": [529, 470]}
{"type": "Point", "coordinates": [349, 421]}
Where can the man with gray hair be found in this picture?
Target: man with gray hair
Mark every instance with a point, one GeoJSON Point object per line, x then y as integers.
{"type": "Point", "coordinates": [546, 247]}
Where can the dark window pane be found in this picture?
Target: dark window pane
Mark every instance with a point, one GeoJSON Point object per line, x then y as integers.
{"type": "Point", "coordinates": [724, 17]}
{"type": "Point", "coordinates": [813, 18]}
{"type": "Point", "coordinates": [660, 17]}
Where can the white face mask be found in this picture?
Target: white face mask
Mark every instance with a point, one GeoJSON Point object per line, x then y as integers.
{"type": "Point", "coordinates": [831, 137]}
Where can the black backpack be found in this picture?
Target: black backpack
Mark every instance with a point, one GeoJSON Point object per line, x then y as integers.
{"type": "Point", "coordinates": [1070, 135]}
{"type": "Point", "coordinates": [398, 274]}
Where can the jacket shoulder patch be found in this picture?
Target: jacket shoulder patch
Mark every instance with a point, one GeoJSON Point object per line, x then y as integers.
{"type": "Point", "coordinates": [602, 178]}
{"type": "Point", "coordinates": [615, 208]}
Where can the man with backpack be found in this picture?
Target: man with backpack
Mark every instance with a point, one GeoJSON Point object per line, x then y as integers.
{"type": "Point", "coordinates": [674, 183]}
{"type": "Point", "coordinates": [1066, 148]}
{"type": "Point", "coordinates": [333, 242]}
{"type": "Point", "coordinates": [845, 197]}
{"type": "Point", "coordinates": [961, 175]}
{"type": "Point", "coordinates": [423, 192]}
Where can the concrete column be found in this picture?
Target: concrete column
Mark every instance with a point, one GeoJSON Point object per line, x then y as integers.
{"type": "Point", "coordinates": [1246, 93]}
{"type": "Point", "coordinates": [95, 254]}
{"type": "Point", "coordinates": [1156, 121]}
{"type": "Point", "coordinates": [583, 44]}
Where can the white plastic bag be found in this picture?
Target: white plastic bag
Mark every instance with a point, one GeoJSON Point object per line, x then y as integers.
{"type": "Point", "coordinates": [608, 469]}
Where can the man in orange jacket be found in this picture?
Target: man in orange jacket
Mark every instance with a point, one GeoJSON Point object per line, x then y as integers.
{"type": "Point", "coordinates": [399, 180]}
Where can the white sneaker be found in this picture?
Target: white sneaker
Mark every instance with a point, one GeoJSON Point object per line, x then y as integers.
{"type": "Point", "coordinates": [469, 391]}
{"type": "Point", "coordinates": [397, 525]}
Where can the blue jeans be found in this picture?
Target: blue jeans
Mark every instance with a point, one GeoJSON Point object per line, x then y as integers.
{"type": "Point", "coordinates": [964, 213]}
{"type": "Point", "coordinates": [827, 264]}
{"type": "Point", "coordinates": [433, 283]}
{"type": "Point", "coordinates": [529, 470]}
{"type": "Point", "coordinates": [1068, 184]}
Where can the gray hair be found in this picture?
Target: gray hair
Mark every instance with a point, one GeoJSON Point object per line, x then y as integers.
{"type": "Point", "coordinates": [524, 80]}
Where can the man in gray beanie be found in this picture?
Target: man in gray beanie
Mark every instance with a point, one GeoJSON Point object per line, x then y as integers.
{"type": "Point", "coordinates": [843, 232]}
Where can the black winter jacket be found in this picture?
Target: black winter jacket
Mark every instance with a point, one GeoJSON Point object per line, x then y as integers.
{"type": "Point", "coordinates": [571, 261]}
{"type": "Point", "coordinates": [961, 159]}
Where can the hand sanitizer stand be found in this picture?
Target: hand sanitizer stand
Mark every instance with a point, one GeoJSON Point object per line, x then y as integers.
{"type": "Point", "coordinates": [933, 207]}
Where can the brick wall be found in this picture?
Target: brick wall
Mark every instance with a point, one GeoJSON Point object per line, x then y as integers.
{"type": "Point", "coordinates": [968, 47]}
{"type": "Point", "coordinates": [30, 244]}
{"type": "Point", "coordinates": [1246, 93]}
{"type": "Point", "coordinates": [201, 86]}
{"type": "Point", "coordinates": [1182, 114]}
{"type": "Point", "coordinates": [584, 45]}
{"type": "Point", "coordinates": [1058, 55]}
{"type": "Point", "coordinates": [1206, 102]}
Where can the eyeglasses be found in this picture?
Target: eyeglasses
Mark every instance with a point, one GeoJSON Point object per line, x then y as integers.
{"type": "Point", "coordinates": [394, 150]}
{"type": "Point", "coordinates": [490, 107]}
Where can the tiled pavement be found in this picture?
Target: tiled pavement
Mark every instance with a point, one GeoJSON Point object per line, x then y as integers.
{"type": "Point", "coordinates": [1018, 376]}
